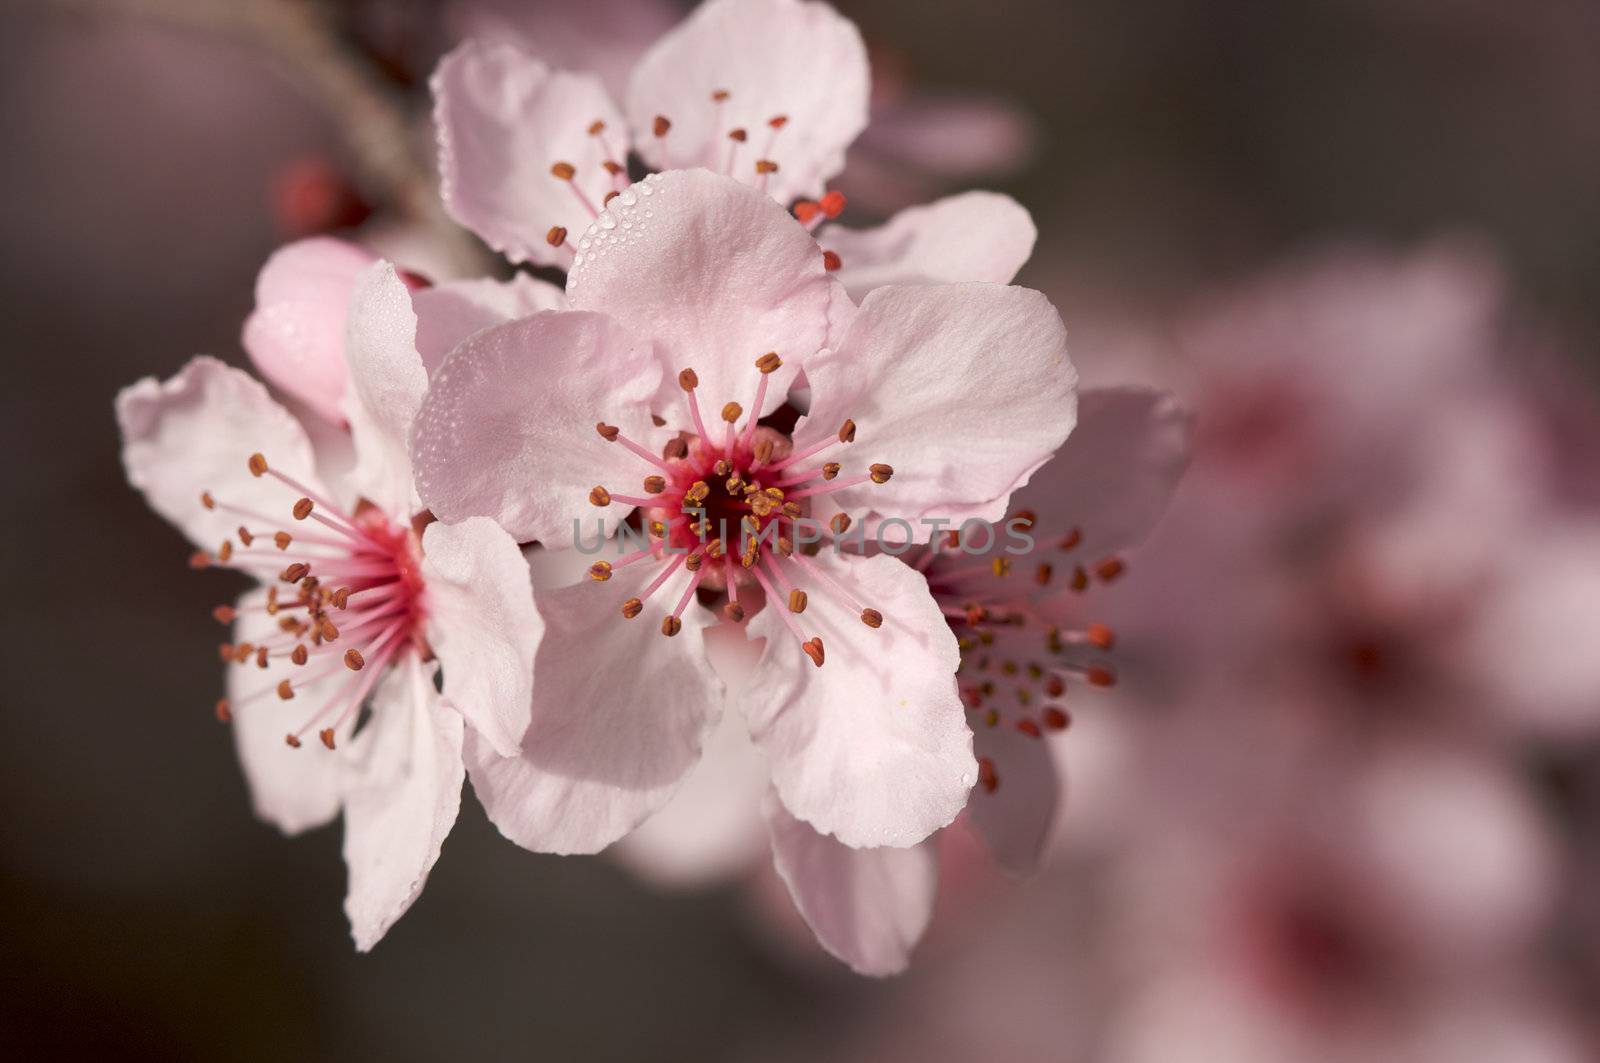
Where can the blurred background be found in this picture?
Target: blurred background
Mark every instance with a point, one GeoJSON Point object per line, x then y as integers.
{"type": "Point", "coordinates": [1345, 804]}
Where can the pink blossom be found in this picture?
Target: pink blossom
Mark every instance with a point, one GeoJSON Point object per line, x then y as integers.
{"type": "Point", "coordinates": [359, 597]}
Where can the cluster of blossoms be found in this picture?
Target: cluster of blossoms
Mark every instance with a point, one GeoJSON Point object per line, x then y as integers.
{"type": "Point", "coordinates": [811, 436]}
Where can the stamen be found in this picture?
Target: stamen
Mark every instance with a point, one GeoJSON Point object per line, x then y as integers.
{"type": "Point", "coordinates": [565, 171]}
{"type": "Point", "coordinates": [831, 261]}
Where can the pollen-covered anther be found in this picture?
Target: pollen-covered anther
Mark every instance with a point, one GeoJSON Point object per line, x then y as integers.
{"type": "Point", "coordinates": [797, 601]}
{"type": "Point", "coordinates": [224, 614]}
{"type": "Point", "coordinates": [303, 508]}
{"type": "Point", "coordinates": [1071, 539]}
{"type": "Point", "coordinates": [738, 136]}
{"type": "Point", "coordinates": [660, 125]}
{"type": "Point", "coordinates": [608, 432]}
{"type": "Point", "coordinates": [563, 171]}
{"type": "Point", "coordinates": [286, 690]}
{"type": "Point", "coordinates": [225, 551]}
{"type": "Point", "coordinates": [988, 778]}
{"type": "Point", "coordinates": [833, 203]}
{"type": "Point", "coordinates": [1109, 568]}
{"type": "Point", "coordinates": [872, 618]}
{"type": "Point", "coordinates": [282, 540]}
{"type": "Point", "coordinates": [326, 734]}
{"type": "Point", "coordinates": [1100, 675]}
{"type": "Point", "coordinates": [670, 626]}
{"type": "Point", "coordinates": [1080, 579]}
{"type": "Point", "coordinates": [632, 608]}
{"type": "Point", "coordinates": [299, 655]}
{"type": "Point", "coordinates": [1101, 636]}
{"type": "Point", "coordinates": [1000, 566]}
{"type": "Point", "coordinates": [769, 362]}
{"type": "Point", "coordinates": [687, 380]}
{"type": "Point", "coordinates": [723, 467]}
{"type": "Point", "coordinates": [556, 236]}
{"type": "Point", "coordinates": [831, 261]}
{"type": "Point", "coordinates": [207, 501]}
{"type": "Point", "coordinates": [612, 167]}
{"type": "Point", "coordinates": [258, 465]}
{"type": "Point", "coordinates": [599, 496]}
{"type": "Point", "coordinates": [1056, 718]}
{"type": "Point", "coordinates": [1055, 686]}
{"type": "Point", "coordinates": [244, 535]}
{"type": "Point", "coordinates": [353, 659]}
{"type": "Point", "coordinates": [295, 572]}
{"type": "Point", "coordinates": [733, 611]}
{"type": "Point", "coordinates": [840, 523]}
{"type": "Point", "coordinates": [880, 473]}
{"type": "Point", "coordinates": [813, 648]}
{"type": "Point", "coordinates": [223, 710]}
{"type": "Point", "coordinates": [654, 485]}
{"type": "Point", "coordinates": [766, 166]}
{"type": "Point", "coordinates": [597, 127]}
{"type": "Point", "coordinates": [732, 412]}
{"type": "Point", "coordinates": [291, 741]}
{"type": "Point", "coordinates": [1029, 728]}
{"type": "Point", "coordinates": [697, 492]}
{"type": "Point", "coordinates": [261, 657]}
{"type": "Point", "coordinates": [847, 431]}
{"type": "Point", "coordinates": [199, 559]}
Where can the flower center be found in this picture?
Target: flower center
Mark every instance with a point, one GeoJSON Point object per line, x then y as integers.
{"type": "Point", "coordinates": [729, 161]}
{"type": "Point", "coordinates": [729, 506]}
{"type": "Point", "coordinates": [346, 597]}
{"type": "Point", "coordinates": [1016, 665]}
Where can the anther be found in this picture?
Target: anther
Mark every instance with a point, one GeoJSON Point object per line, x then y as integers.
{"type": "Point", "coordinates": [797, 601]}
{"type": "Point", "coordinates": [244, 535]}
{"type": "Point", "coordinates": [1000, 566]}
{"type": "Point", "coordinates": [654, 485]}
{"type": "Point", "coordinates": [1109, 569]}
{"type": "Point", "coordinates": [600, 496]}
{"type": "Point", "coordinates": [224, 710]}
{"type": "Point", "coordinates": [600, 571]}
{"type": "Point", "coordinates": [299, 655]}
{"type": "Point", "coordinates": [847, 431]}
{"type": "Point", "coordinates": [813, 650]}
{"type": "Point", "coordinates": [1056, 719]}
{"type": "Point", "coordinates": [1073, 538]}
{"type": "Point", "coordinates": [670, 626]}
{"type": "Point", "coordinates": [612, 167]}
{"type": "Point", "coordinates": [563, 171]}
{"type": "Point", "coordinates": [339, 598]}
{"type": "Point", "coordinates": [719, 95]}
{"type": "Point", "coordinates": [840, 523]}
{"type": "Point", "coordinates": [723, 467]}
{"type": "Point", "coordinates": [738, 135]}
{"type": "Point", "coordinates": [199, 559]}
{"type": "Point", "coordinates": [830, 470]}
{"type": "Point", "coordinates": [733, 611]}
{"type": "Point", "coordinates": [609, 196]}
{"type": "Point", "coordinates": [608, 432]}
{"type": "Point", "coordinates": [778, 121]}
{"type": "Point", "coordinates": [766, 166]}
{"type": "Point", "coordinates": [291, 741]}
{"type": "Point", "coordinates": [1041, 575]}
{"type": "Point", "coordinates": [1080, 579]}
{"type": "Point", "coordinates": [556, 236]}
{"type": "Point", "coordinates": [632, 608]}
{"type": "Point", "coordinates": [732, 412]}
{"type": "Point", "coordinates": [660, 126]}
{"type": "Point", "coordinates": [596, 127]}
{"type": "Point", "coordinates": [1029, 728]}
{"type": "Point", "coordinates": [872, 618]}
{"type": "Point", "coordinates": [1100, 635]}
{"type": "Point", "coordinates": [261, 657]}
{"type": "Point", "coordinates": [258, 465]}
{"type": "Point", "coordinates": [880, 473]}
{"type": "Point", "coordinates": [326, 734]}
{"type": "Point", "coordinates": [694, 562]}
{"type": "Point", "coordinates": [988, 778]}
{"type": "Point", "coordinates": [831, 261]}
{"type": "Point", "coordinates": [676, 449]}
{"type": "Point", "coordinates": [764, 451]}
{"type": "Point", "coordinates": [282, 540]}
{"type": "Point", "coordinates": [207, 501]}
{"type": "Point", "coordinates": [225, 551]}
{"type": "Point", "coordinates": [303, 508]}
{"type": "Point", "coordinates": [697, 492]}
{"type": "Point", "coordinates": [687, 380]}
{"type": "Point", "coordinates": [832, 204]}
{"type": "Point", "coordinates": [1101, 676]}
{"type": "Point", "coordinates": [224, 614]}
{"type": "Point", "coordinates": [286, 690]}
{"type": "Point", "coordinates": [295, 572]}
{"type": "Point", "coordinates": [769, 362]}
{"type": "Point", "coordinates": [353, 659]}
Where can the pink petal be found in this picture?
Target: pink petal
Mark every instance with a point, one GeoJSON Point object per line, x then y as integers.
{"type": "Point", "coordinates": [976, 236]}
{"type": "Point", "coordinates": [483, 626]}
{"type": "Point", "coordinates": [716, 273]}
{"type": "Point", "coordinates": [507, 429]}
{"type": "Point", "coordinates": [387, 382]}
{"type": "Point", "coordinates": [295, 336]}
{"type": "Point", "coordinates": [620, 715]}
{"type": "Point", "coordinates": [1114, 476]}
{"type": "Point", "coordinates": [293, 789]}
{"type": "Point", "coordinates": [195, 433]}
{"type": "Point", "coordinates": [873, 746]}
{"type": "Point", "coordinates": [713, 827]}
{"type": "Point", "coordinates": [401, 801]}
{"type": "Point", "coordinates": [503, 120]}
{"type": "Point", "coordinates": [963, 389]}
{"type": "Point", "coordinates": [604, 37]}
{"type": "Point", "coordinates": [449, 313]}
{"type": "Point", "coordinates": [789, 58]}
{"type": "Point", "coordinates": [1015, 819]}
{"type": "Point", "coordinates": [868, 907]}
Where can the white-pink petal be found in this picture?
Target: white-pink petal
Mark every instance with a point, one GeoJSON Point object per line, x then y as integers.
{"type": "Point", "coordinates": [507, 429]}
{"type": "Point", "coordinates": [295, 335]}
{"type": "Point", "coordinates": [195, 433]}
{"type": "Point", "coordinates": [483, 626]}
{"type": "Point", "coordinates": [868, 907]}
{"type": "Point", "coordinates": [503, 120]}
{"type": "Point", "coordinates": [449, 313]}
{"type": "Point", "coordinates": [975, 236]}
{"type": "Point", "coordinates": [873, 746]}
{"type": "Point", "coordinates": [387, 382]}
{"type": "Point", "coordinates": [716, 274]}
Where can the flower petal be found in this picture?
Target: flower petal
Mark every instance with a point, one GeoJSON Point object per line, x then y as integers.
{"type": "Point", "coordinates": [401, 801]}
{"type": "Point", "coordinates": [620, 715]}
{"type": "Point", "coordinates": [387, 382]}
{"type": "Point", "coordinates": [713, 827]}
{"type": "Point", "coordinates": [963, 389]}
{"type": "Point", "coordinates": [507, 429]}
{"type": "Point", "coordinates": [1015, 819]}
{"type": "Point", "coordinates": [295, 335]}
{"type": "Point", "coordinates": [449, 313]}
{"type": "Point", "coordinates": [196, 432]}
{"type": "Point", "coordinates": [873, 746]}
{"type": "Point", "coordinates": [976, 236]}
{"type": "Point", "coordinates": [293, 789]}
{"type": "Point", "coordinates": [716, 273]}
{"type": "Point", "coordinates": [483, 625]}
{"type": "Point", "coordinates": [868, 907]}
{"type": "Point", "coordinates": [1115, 474]}
{"type": "Point", "coordinates": [793, 59]}
{"type": "Point", "coordinates": [503, 120]}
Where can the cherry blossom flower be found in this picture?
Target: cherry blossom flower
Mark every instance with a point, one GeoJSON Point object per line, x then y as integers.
{"type": "Point", "coordinates": [361, 599]}
{"type": "Point", "coordinates": [768, 91]}
{"type": "Point", "coordinates": [692, 284]}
